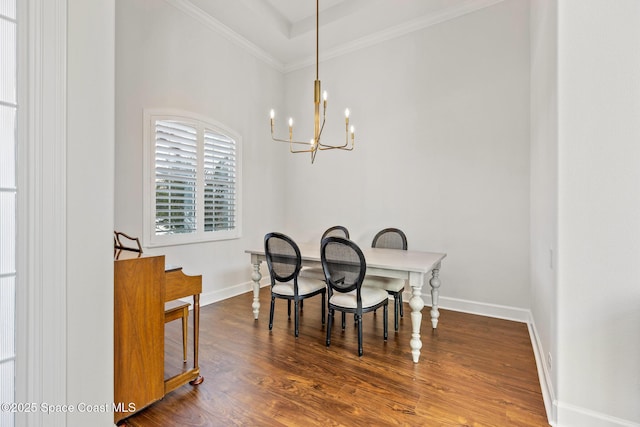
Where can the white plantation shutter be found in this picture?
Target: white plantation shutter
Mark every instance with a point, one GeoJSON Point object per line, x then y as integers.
{"type": "Point", "coordinates": [176, 175]}
{"type": "Point", "coordinates": [193, 190]}
{"type": "Point", "coordinates": [220, 179]}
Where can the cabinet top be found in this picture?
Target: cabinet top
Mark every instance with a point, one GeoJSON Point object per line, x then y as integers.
{"type": "Point", "coordinates": [123, 255]}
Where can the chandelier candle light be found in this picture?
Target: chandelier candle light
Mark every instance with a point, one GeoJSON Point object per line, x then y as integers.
{"type": "Point", "coordinates": [314, 144]}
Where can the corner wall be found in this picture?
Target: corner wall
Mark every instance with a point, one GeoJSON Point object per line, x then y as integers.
{"type": "Point", "coordinates": [544, 193]}
{"type": "Point", "coordinates": [599, 213]}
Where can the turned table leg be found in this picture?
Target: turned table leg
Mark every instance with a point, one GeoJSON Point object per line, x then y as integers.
{"type": "Point", "coordinates": [416, 303]}
{"type": "Point", "coordinates": [435, 291]}
{"type": "Point", "coordinates": [256, 276]}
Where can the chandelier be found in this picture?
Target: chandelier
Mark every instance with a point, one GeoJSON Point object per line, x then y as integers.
{"type": "Point", "coordinates": [315, 143]}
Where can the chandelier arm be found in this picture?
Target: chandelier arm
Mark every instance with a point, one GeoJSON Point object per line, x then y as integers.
{"type": "Point", "coordinates": [335, 147]}
{"type": "Point", "coordinates": [331, 147]}
{"type": "Point", "coordinates": [321, 128]}
{"type": "Point", "coordinates": [345, 146]}
{"type": "Point", "coordinates": [309, 150]}
{"type": "Point", "coordinates": [289, 141]}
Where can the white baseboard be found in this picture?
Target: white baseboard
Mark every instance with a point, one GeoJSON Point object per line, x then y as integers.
{"type": "Point", "coordinates": [544, 376]}
{"type": "Point", "coordinates": [571, 415]}
{"type": "Point", "coordinates": [483, 309]}
{"type": "Point", "coordinates": [222, 294]}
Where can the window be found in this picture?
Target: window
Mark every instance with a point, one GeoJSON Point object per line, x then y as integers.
{"type": "Point", "coordinates": [192, 191]}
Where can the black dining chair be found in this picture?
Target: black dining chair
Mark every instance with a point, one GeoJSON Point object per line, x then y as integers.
{"type": "Point", "coordinates": [344, 268]}
{"type": "Point", "coordinates": [316, 272]}
{"type": "Point", "coordinates": [284, 263]}
{"type": "Point", "coordinates": [390, 238]}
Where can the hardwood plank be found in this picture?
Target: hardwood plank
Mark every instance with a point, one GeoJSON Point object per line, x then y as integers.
{"type": "Point", "coordinates": [473, 371]}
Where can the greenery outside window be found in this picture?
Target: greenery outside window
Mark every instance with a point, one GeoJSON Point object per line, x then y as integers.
{"type": "Point", "coordinates": [192, 179]}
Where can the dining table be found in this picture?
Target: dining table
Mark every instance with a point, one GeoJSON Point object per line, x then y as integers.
{"type": "Point", "coordinates": [411, 265]}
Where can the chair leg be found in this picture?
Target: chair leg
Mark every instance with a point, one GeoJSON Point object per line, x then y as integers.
{"type": "Point", "coordinates": [329, 322]}
{"type": "Point", "coordinates": [185, 318]}
{"type": "Point", "coordinates": [344, 315]}
{"type": "Point", "coordinates": [273, 303]}
{"type": "Point", "coordinates": [385, 320]}
{"type": "Point", "coordinates": [401, 305]}
{"type": "Point", "coordinates": [289, 309]}
{"type": "Point", "coordinates": [359, 321]}
{"type": "Point", "coordinates": [396, 310]}
{"type": "Point", "coordinates": [324, 308]}
{"type": "Point", "coordinates": [296, 316]}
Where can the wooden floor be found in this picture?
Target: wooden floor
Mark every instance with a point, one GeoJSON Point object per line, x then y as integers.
{"type": "Point", "coordinates": [473, 371]}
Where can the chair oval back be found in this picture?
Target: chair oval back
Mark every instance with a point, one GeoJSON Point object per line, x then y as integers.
{"type": "Point", "coordinates": [390, 238]}
{"type": "Point", "coordinates": [336, 230]}
{"type": "Point", "coordinates": [343, 264]}
{"type": "Point", "coordinates": [283, 257]}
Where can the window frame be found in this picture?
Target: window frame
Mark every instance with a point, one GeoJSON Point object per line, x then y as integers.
{"type": "Point", "coordinates": [150, 238]}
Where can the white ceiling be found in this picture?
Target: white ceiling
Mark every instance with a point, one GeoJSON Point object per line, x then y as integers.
{"type": "Point", "coordinates": [284, 30]}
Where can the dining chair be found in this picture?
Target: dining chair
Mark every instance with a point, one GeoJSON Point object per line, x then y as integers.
{"type": "Point", "coordinates": [390, 238]}
{"type": "Point", "coordinates": [344, 268]}
{"type": "Point", "coordinates": [336, 230]}
{"type": "Point", "coordinates": [316, 272]}
{"type": "Point", "coordinates": [284, 262]}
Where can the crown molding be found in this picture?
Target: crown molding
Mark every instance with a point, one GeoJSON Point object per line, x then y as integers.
{"type": "Point", "coordinates": [388, 34]}
{"type": "Point", "coordinates": [394, 32]}
{"type": "Point", "coordinates": [195, 12]}
{"type": "Point", "coordinates": [328, 16]}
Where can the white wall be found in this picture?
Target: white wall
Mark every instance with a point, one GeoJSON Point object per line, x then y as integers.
{"type": "Point", "coordinates": [167, 59]}
{"type": "Point", "coordinates": [89, 195]}
{"type": "Point", "coordinates": [598, 213]}
{"type": "Point", "coordinates": [544, 193]}
{"type": "Point", "coordinates": [442, 149]}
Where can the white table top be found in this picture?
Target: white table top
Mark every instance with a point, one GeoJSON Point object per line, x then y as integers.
{"type": "Point", "coordinates": [393, 259]}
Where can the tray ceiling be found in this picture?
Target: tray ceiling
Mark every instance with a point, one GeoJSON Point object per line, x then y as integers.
{"type": "Point", "coordinates": [284, 30]}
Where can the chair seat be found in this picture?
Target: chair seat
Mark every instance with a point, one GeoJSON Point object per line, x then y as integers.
{"type": "Point", "coordinates": [316, 273]}
{"type": "Point", "coordinates": [306, 286]}
{"type": "Point", "coordinates": [370, 297]}
{"type": "Point", "coordinates": [386, 283]}
{"type": "Point", "coordinates": [175, 310]}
